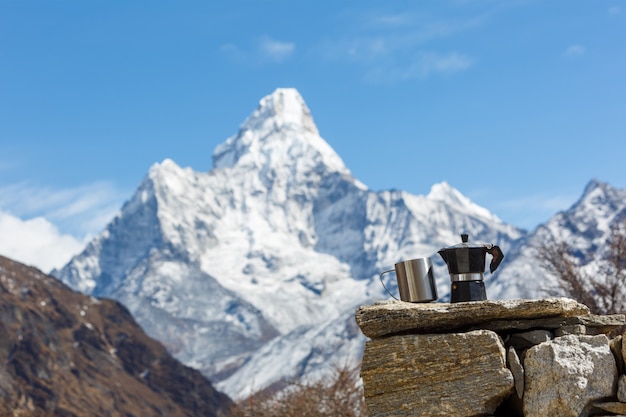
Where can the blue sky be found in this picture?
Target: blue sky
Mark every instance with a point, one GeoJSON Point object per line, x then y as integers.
{"type": "Point", "coordinates": [517, 104]}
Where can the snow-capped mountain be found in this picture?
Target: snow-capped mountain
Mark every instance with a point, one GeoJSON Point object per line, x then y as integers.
{"type": "Point", "coordinates": [585, 228]}
{"type": "Point", "coordinates": [251, 272]}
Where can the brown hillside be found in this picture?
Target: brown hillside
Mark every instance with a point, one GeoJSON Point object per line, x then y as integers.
{"type": "Point", "coordinates": [66, 354]}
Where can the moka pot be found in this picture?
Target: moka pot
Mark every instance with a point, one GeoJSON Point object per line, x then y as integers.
{"type": "Point", "coordinates": [466, 265]}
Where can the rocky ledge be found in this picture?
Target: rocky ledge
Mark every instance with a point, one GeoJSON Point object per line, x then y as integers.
{"type": "Point", "coordinates": [513, 358]}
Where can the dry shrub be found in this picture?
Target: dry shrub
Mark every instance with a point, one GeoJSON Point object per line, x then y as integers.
{"type": "Point", "coordinates": [20, 407]}
{"type": "Point", "coordinates": [338, 396]}
{"type": "Point", "coordinates": [604, 289]}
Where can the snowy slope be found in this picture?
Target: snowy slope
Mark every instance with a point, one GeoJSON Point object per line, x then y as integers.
{"type": "Point", "coordinates": [585, 227]}
{"type": "Point", "coordinates": [251, 272]}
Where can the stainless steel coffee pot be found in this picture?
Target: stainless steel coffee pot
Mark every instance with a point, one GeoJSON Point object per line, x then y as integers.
{"type": "Point", "coordinates": [466, 265]}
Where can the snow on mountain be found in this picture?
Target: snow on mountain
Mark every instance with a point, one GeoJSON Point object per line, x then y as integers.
{"type": "Point", "coordinates": [446, 193]}
{"type": "Point", "coordinates": [585, 227]}
{"type": "Point", "coordinates": [266, 138]}
{"type": "Point", "coordinates": [251, 272]}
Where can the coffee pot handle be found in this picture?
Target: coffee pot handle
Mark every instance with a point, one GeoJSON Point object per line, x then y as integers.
{"type": "Point", "coordinates": [497, 257]}
{"type": "Point", "coordinates": [381, 281]}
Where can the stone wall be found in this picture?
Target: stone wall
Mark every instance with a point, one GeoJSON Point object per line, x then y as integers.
{"type": "Point", "coordinates": [513, 358]}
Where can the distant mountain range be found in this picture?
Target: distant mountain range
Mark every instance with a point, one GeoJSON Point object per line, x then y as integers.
{"type": "Point", "coordinates": [251, 272]}
{"type": "Point", "coordinates": [67, 354]}
{"type": "Point", "coordinates": [585, 227]}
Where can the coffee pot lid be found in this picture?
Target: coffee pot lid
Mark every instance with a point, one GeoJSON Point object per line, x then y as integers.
{"type": "Point", "coordinates": [464, 244]}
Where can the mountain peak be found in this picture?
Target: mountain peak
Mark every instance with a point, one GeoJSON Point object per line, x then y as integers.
{"type": "Point", "coordinates": [599, 195]}
{"type": "Point", "coordinates": [445, 192]}
{"type": "Point", "coordinates": [594, 185]}
{"type": "Point", "coordinates": [450, 195]}
{"type": "Point", "coordinates": [285, 107]}
{"type": "Point", "coordinates": [280, 131]}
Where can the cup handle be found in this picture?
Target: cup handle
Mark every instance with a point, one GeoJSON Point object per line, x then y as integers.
{"type": "Point", "coordinates": [381, 281]}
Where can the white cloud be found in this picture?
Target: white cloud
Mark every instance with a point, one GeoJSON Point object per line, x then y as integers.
{"type": "Point", "coordinates": [361, 50]}
{"type": "Point", "coordinates": [266, 50]}
{"type": "Point", "coordinates": [396, 47]}
{"type": "Point", "coordinates": [422, 66]}
{"type": "Point", "coordinates": [77, 211]}
{"type": "Point", "coordinates": [427, 64]}
{"type": "Point", "coordinates": [416, 26]}
{"type": "Point", "coordinates": [376, 46]}
{"type": "Point", "coordinates": [574, 51]}
{"type": "Point", "coordinates": [276, 50]}
{"type": "Point", "coordinates": [36, 242]}
{"type": "Point", "coordinates": [45, 227]}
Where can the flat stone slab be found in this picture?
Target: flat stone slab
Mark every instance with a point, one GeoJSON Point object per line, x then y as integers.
{"type": "Point", "coordinates": [595, 324]}
{"type": "Point", "coordinates": [398, 317]}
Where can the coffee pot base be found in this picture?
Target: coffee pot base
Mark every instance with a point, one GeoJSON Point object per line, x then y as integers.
{"type": "Point", "coordinates": [468, 291]}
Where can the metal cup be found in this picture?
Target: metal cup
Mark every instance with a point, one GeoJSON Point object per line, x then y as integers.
{"type": "Point", "coordinates": [416, 281]}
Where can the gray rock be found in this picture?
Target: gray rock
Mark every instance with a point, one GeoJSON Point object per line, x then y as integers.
{"type": "Point", "coordinates": [612, 407]}
{"type": "Point", "coordinates": [621, 389]}
{"type": "Point", "coordinates": [564, 375]}
{"type": "Point", "coordinates": [616, 348]}
{"type": "Point", "coordinates": [515, 365]}
{"type": "Point", "coordinates": [570, 329]}
{"type": "Point", "coordinates": [392, 317]}
{"type": "Point", "coordinates": [456, 374]}
{"type": "Point", "coordinates": [525, 340]}
{"type": "Point", "coordinates": [623, 350]}
{"type": "Point", "coordinates": [603, 324]}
